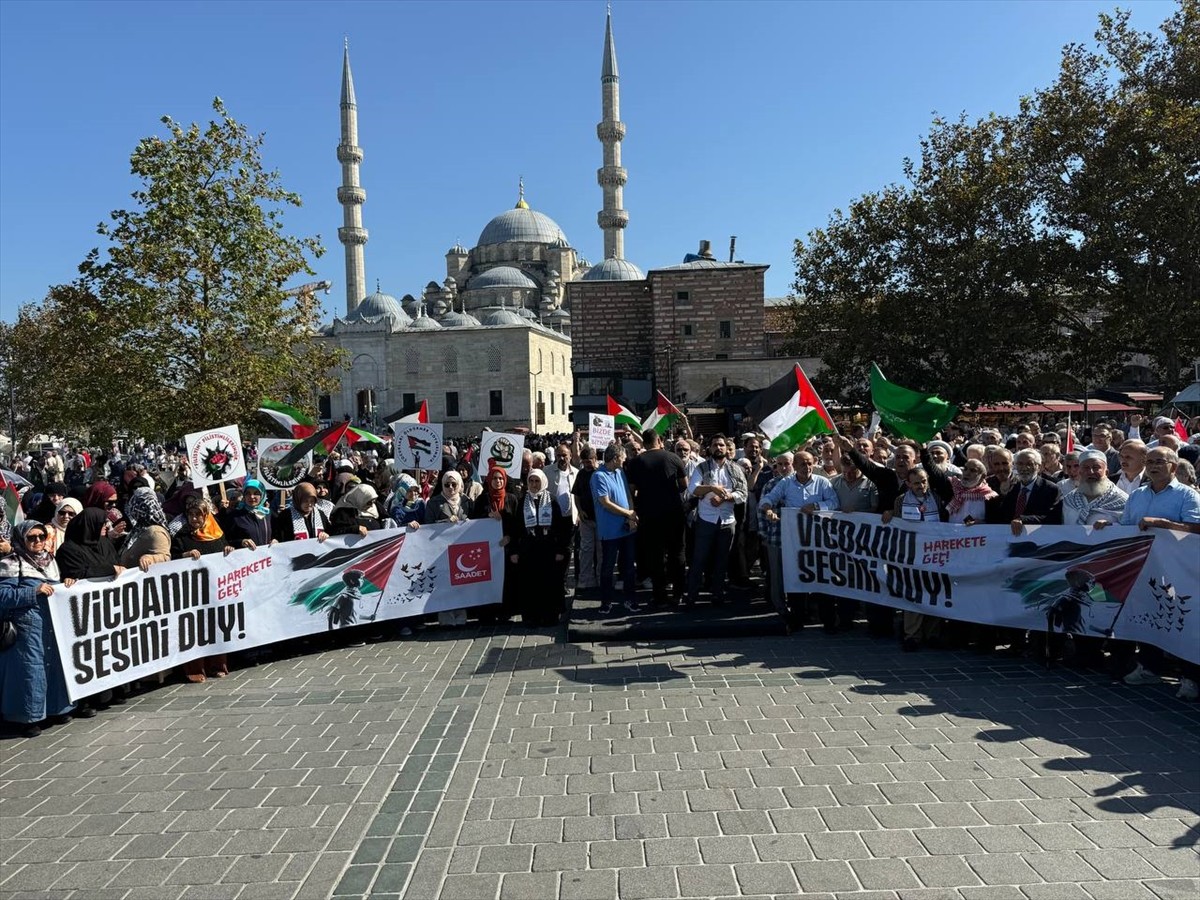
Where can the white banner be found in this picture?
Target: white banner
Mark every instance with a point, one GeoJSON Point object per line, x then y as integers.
{"type": "Point", "coordinates": [215, 455]}
{"type": "Point", "coordinates": [121, 629]}
{"type": "Point", "coordinates": [504, 450]}
{"type": "Point", "coordinates": [1135, 585]}
{"type": "Point", "coordinates": [270, 452]}
{"type": "Point", "coordinates": [602, 431]}
{"type": "Point", "coordinates": [418, 445]}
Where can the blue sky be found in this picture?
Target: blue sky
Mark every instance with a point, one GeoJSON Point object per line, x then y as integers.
{"type": "Point", "coordinates": [754, 119]}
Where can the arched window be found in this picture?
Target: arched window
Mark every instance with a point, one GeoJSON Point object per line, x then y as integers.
{"type": "Point", "coordinates": [451, 361]}
{"type": "Point", "coordinates": [412, 361]}
{"type": "Point", "coordinates": [493, 358]}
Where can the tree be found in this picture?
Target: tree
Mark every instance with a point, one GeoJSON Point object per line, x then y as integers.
{"type": "Point", "coordinates": [1115, 143]}
{"type": "Point", "coordinates": [184, 315]}
{"type": "Point", "coordinates": [946, 281]}
{"type": "Point", "coordinates": [1027, 254]}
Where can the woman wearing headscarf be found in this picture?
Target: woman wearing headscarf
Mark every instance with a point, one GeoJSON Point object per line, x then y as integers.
{"type": "Point", "coordinates": [85, 551]}
{"type": "Point", "coordinates": [149, 542]}
{"type": "Point", "coordinates": [56, 530]}
{"type": "Point", "coordinates": [32, 684]}
{"type": "Point", "coordinates": [102, 495]}
{"type": "Point", "coordinates": [471, 488]}
{"type": "Point", "coordinates": [175, 504]}
{"type": "Point", "coordinates": [499, 503]}
{"type": "Point", "coordinates": [450, 505]}
{"type": "Point", "coordinates": [355, 512]}
{"type": "Point", "coordinates": [248, 524]}
{"type": "Point", "coordinates": [47, 507]}
{"type": "Point", "coordinates": [407, 509]}
{"type": "Point", "coordinates": [200, 537]}
{"type": "Point", "coordinates": [539, 548]}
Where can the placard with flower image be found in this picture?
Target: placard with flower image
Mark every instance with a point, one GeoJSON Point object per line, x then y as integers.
{"type": "Point", "coordinates": [215, 455]}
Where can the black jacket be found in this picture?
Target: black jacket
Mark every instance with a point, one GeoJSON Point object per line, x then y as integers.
{"type": "Point", "coordinates": [1044, 506]}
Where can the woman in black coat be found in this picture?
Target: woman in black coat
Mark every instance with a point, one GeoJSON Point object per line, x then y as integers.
{"type": "Point", "coordinates": [499, 503]}
{"type": "Point", "coordinates": [539, 549]}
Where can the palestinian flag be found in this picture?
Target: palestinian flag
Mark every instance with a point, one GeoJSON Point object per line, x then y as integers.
{"type": "Point", "coordinates": [328, 437]}
{"type": "Point", "coordinates": [665, 415]}
{"type": "Point", "coordinates": [789, 412]}
{"type": "Point", "coordinates": [622, 417]}
{"type": "Point", "coordinates": [421, 415]}
{"type": "Point", "coordinates": [296, 423]}
{"type": "Point", "coordinates": [913, 414]}
{"type": "Point", "coordinates": [358, 434]}
{"type": "Point", "coordinates": [12, 502]}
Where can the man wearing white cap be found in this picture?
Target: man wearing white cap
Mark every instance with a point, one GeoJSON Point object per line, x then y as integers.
{"type": "Point", "coordinates": [1096, 499]}
{"type": "Point", "coordinates": [1162, 426]}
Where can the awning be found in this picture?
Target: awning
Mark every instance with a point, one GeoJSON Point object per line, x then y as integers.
{"type": "Point", "coordinates": [1051, 407]}
{"type": "Point", "coordinates": [1016, 409]}
{"type": "Point", "coordinates": [1143, 397]}
{"type": "Point", "coordinates": [1190, 394]}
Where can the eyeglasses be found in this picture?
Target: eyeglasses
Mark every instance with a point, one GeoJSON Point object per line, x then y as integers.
{"type": "Point", "coordinates": [66, 514]}
{"type": "Point", "coordinates": [110, 504]}
{"type": "Point", "coordinates": [35, 537]}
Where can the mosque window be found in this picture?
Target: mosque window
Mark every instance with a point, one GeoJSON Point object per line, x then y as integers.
{"type": "Point", "coordinates": [687, 330]}
{"type": "Point", "coordinates": [451, 404]}
{"type": "Point", "coordinates": [726, 329]}
{"type": "Point", "coordinates": [496, 403]}
{"type": "Point", "coordinates": [493, 358]}
{"type": "Point", "coordinates": [683, 297]}
{"type": "Point", "coordinates": [451, 361]}
{"type": "Point", "coordinates": [412, 361]}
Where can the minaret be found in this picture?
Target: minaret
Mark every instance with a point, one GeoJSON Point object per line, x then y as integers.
{"type": "Point", "coordinates": [611, 131]}
{"type": "Point", "coordinates": [351, 195]}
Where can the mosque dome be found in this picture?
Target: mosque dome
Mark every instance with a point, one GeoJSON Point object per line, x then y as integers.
{"type": "Point", "coordinates": [380, 305]}
{"type": "Point", "coordinates": [454, 319]}
{"type": "Point", "coordinates": [521, 225]}
{"type": "Point", "coordinates": [424, 323]}
{"type": "Point", "coordinates": [503, 316]}
{"type": "Point", "coordinates": [613, 270]}
{"type": "Point", "coordinates": [502, 278]}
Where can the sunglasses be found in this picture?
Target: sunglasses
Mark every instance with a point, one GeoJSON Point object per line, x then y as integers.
{"type": "Point", "coordinates": [66, 514]}
{"type": "Point", "coordinates": [40, 536]}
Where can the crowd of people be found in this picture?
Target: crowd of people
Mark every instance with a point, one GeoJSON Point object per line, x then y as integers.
{"type": "Point", "coordinates": [684, 519]}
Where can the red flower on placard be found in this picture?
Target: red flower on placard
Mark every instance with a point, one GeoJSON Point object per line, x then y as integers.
{"type": "Point", "coordinates": [217, 461]}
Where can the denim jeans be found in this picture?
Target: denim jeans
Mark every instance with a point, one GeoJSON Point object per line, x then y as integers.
{"type": "Point", "coordinates": [610, 550]}
{"type": "Point", "coordinates": [711, 540]}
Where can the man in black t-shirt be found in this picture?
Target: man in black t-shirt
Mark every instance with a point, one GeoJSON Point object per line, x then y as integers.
{"type": "Point", "coordinates": [658, 478]}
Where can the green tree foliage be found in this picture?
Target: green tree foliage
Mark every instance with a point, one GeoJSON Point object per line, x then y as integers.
{"type": "Point", "coordinates": [183, 316]}
{"type": "Point", "coordinates": [1026, 254]}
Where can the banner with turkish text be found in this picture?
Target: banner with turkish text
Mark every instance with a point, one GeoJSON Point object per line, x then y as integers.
{"type": "Point", "coordinates": [1118, 581]}
{"type": "Point", "coordinates": [117, 630]}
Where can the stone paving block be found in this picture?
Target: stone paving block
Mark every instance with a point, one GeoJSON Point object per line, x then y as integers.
{"type": "Point", "coordinates": [781, 847]}
{"type": "Point", "coordinates": [1176, 862]}
{"type": "Point", "coordinates": [1118, 864]}
{"type": "Point", "coordinates": [592, 885]}
{"type": "Point", "coordinates": [943, 871]}
{"type": "Point", "coordinates": [615, 854]}
{"type": "Point", "coordinates": [706, 881]}
{"type": "Point", "coordinates": [656, 883]}
{"type": "Point", "coordinates": [825, 875]}
{"type": "Point", "coordinates": [879, 874]}
{"type": "Point", "coordinates": [640, 827]}
{"type": "Point", "coordinates": [526, 885]}
{"type": "Point", "coordinates": [468, 887]}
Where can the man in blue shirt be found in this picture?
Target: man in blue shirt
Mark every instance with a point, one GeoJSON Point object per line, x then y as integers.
{"type": "Point", "coordinates": [1162, 502]}
{"type": "Point", "coordinates": [616, 523]}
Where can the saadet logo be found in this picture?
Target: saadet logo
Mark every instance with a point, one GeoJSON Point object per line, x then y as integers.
{"type": "Point", "coordinates": [470, 563]}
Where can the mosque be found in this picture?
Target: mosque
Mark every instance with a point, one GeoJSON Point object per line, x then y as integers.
{"type": "Point", "coordinates": [490, 345]}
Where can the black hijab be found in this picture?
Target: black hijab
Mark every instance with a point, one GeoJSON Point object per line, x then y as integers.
{"type": "Point", "coordinates": [84, 553]}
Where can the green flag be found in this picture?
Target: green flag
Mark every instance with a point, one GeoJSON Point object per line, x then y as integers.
{"type": "Point", "coordinates": [913, 414]}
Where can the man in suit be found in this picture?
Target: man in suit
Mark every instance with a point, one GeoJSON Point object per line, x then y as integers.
{"type": "Point", "coordinates": [1033, 500]}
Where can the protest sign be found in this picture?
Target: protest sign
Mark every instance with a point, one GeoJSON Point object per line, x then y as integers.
{"type": "Point", "coordinates": [121, 629]}
{"type": "Point", "coordinates": [602, 431]}
{"type": "Point", "coordinates": [418, 445]}
{"type": "Point", "coordinates": [1136, 585]}
{"type": "Point", "coordinates": [503, 450]}
{"type": "Point", "coordinates": [275, 476]}
{"type": "Point", "coordinates": [215, 455]}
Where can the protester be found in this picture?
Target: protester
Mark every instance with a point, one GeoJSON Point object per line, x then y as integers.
{"type": "Point", "coordinates": [585, 507]}
{"type": "Point", "coordinates": [407, 507]}
{"type": "Point", "coordinates": [248, 524]}
{"type": "Point", "coordinates": [616, 522]}
{"type": "Point", "coordinates": [355, 512]}
{"type": "Point", "coordinates": [201, 536]}
{"type": "Point", "coordinates": [1096, 498]}
{"type": "Point", "coordinates": [717, 484]}
{"type": "Point", "coordinates": [538, 550]}
{"type": "Point", "coordinates": [450, 505]}
{"type": "Point", "coordinates": [32, 685]}
{"type": "Point", "coordinates": [658, 478]}
{"type": "Point", "coordinates": [148, 541]}
{"type": "Point", "coordinates": [57, 527]}
{"type": "Point", "coordinates": [304, 518]}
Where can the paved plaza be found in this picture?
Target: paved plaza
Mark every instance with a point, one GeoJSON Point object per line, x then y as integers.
{"type": "Point", "coordinates": [510, 764]}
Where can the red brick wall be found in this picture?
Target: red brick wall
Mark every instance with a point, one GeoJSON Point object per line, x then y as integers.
{"type": "Point", "coordinates": [611, 326]}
